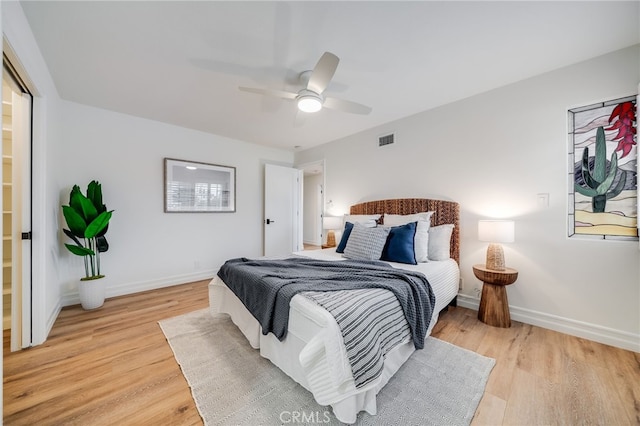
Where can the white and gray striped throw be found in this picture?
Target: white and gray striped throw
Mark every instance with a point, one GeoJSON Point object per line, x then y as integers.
{"type": "Point", "coordinates": [372, 323]}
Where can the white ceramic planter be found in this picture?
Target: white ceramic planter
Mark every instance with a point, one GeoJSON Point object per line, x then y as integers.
{"type": "Point", "coordinates": [91, 293]}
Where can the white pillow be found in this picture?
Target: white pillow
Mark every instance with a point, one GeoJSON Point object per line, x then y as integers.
{"type": "Point", "coordinates": [440, 242]}
{"type": "Point", "coordinates": [367, 220]}
{"type": "Point", "coordinates": [421, 240]}
{"type": "Point", "coordinates": [366, 243]}
{"type": "Point", "coordinates": [403, 219]}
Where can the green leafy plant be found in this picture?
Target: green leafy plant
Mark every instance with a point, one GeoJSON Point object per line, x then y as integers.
{"type": "Point", "coordinates": [599, 180]}
{"type": "Point", "coordinates": [88, 220]}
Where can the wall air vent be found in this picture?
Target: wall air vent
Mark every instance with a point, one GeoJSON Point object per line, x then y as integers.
{"type": "Point", "coordinates": [386, 140]}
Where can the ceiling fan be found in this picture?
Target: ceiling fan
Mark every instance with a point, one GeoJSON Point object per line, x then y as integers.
{"type": "Point", "coordinates": [311, 97]}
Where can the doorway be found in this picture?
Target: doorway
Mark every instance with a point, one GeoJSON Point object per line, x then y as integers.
{"type": "Point", "coordinates": [16, 208]}
{"type": "Point", "coordinates": [313, 205]}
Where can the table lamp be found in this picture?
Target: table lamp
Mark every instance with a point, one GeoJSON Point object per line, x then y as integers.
{"type": "Point", "coordinates": [496, 232]}
{"type": "Point", "coordinates": [331, 223]}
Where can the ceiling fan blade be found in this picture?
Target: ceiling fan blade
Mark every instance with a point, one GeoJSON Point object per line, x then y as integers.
{"type": "Point", "coordinates": [269, 92]}
{"type": "Point", "coordinates": [346, 106]}
{"type": "Point", "coordinates": [323, 72]}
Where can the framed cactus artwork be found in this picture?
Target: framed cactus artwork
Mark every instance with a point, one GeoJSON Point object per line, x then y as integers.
{"type": "Point", "coordinates": [603, 170]}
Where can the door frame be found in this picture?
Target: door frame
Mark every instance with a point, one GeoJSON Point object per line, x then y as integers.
{"type": "Point", "coordinates": [39, 324]}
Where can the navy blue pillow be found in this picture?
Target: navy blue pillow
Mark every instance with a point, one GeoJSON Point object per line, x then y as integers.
{"type": "Point", "coordinates": [400, 244]}
{"type": "Point", "coordinates": [345, 236]}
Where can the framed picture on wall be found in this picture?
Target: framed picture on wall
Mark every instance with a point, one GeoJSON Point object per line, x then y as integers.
{"type": "Point", "coordinates": [194, 187]}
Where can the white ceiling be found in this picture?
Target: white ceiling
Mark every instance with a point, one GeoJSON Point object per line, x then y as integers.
{"type": "Point", "coordinates": [182, 62]}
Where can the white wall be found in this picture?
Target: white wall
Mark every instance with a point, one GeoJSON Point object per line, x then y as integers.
{"type": "Point", "coordinates": [493, 153]}
{"type": "Point", "coordinates": [150, 248]}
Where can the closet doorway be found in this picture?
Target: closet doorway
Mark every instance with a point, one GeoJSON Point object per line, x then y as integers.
{"type": "Point", "coordinates": [16, 208]}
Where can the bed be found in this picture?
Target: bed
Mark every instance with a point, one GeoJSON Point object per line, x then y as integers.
{"type": "Point", "coordinates": [313, 352]}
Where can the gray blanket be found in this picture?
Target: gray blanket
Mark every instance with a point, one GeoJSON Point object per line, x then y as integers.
{"type": "Point", "coordinates": [267, 286]}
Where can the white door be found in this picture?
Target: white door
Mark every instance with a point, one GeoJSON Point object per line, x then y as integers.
{"type": "Point", "coordinates": [22, 294]}
{"type": "Point", "coordinates": [282, 205]}
{"type": "Point", "coordinates": [16, 161]}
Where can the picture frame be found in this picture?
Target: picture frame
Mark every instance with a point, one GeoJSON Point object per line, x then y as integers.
{"type": "Point", "coordinates": [196, 187]}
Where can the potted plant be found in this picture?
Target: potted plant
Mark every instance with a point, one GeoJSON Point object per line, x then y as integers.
{"type": "Point", "coordinates": [88, 219]}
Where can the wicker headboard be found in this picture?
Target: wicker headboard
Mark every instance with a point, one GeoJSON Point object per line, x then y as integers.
{"type": "Point", "coordinates": [445, 212]}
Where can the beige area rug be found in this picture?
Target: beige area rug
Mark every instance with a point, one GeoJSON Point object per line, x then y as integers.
{"type": "Point", "coordinates": [232, 385]}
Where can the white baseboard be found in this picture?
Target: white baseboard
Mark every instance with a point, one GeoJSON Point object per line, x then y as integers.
{"type": "Point", "coordinates": [72, 298]}
{"type": "Point", "coordinates": [38, 340]}
{"type": "Point", "coordinates": [597, 333]}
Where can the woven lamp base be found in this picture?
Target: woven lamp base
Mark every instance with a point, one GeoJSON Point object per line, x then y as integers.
{"type": "Point", "coordinates": [331, 238]}
{"type": "Point", "coordinates": [495, 257]}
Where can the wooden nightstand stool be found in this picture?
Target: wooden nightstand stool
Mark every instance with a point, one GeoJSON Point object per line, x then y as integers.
{"type": "Point", "coordinates": [494, 306]}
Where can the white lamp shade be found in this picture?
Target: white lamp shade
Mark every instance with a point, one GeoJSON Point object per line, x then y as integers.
{"type": "Point", "coordinates": [496, 231]}
{"type": "Point", "coordinates": [332, 222]}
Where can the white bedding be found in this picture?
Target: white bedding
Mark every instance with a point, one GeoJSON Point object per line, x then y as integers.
{"type": "Point", "coordinates": [313, 353]}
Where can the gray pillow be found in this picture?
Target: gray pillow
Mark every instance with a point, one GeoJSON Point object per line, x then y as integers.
{"type": "Point", "coordinates": [440, 242]}
{"type": "Point", "coordinates": [366, 243]}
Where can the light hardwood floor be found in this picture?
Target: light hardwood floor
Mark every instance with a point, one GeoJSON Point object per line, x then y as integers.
{"type": "Point", "coordinates": [114, 366]}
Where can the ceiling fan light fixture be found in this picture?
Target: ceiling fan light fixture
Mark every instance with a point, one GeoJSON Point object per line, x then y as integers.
{"type": "Point", "coordinates": [309, 103]}
{"type": "Point", "coordinates": [311, 97]}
